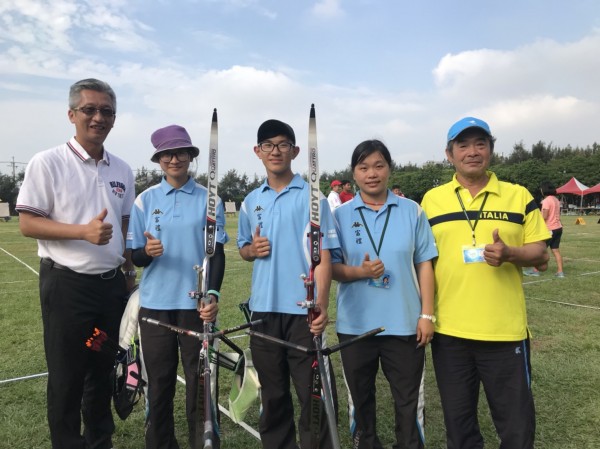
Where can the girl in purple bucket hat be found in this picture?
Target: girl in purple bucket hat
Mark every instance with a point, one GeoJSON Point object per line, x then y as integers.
{"type": "Point", "coordinates": [167, 239]}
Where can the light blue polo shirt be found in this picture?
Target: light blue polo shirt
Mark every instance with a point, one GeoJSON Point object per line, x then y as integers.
{"type": "Point", "coordinates": [177, 217]}
{"type": "Point", "coordinates": [284, 220]}
{"type": "Point", "coordinates": [408, 240]}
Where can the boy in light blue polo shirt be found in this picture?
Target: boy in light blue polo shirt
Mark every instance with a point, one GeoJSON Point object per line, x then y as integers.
{"type": "Point", "coordinates": [272, 233]}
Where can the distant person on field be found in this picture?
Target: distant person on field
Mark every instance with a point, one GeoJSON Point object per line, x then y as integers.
{"type": "Point", "coordinates": [334, 196]}
{"type": "Point", "coordinates": [550, 207]}
{"type": "Point", "coordinates": [485, 231]}
{"type": "Point", "coordinates": [396, 191]}
{"type": "Point", "coordinates": [346, 194]}
{"type": "Point", "coordinates": [75, 200]}
{"type": "Point", "coordinates": [551, 214]}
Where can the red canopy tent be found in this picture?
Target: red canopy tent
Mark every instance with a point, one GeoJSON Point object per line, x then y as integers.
{"type": "Point", "coordinates": [573, 187]}
{"type": "Point", "coordinates": [595, 189]}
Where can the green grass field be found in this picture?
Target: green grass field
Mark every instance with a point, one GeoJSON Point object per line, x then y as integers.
{"type": "Point", "coordinates": [563, 316]}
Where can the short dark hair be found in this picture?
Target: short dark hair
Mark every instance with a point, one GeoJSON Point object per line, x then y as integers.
{"type": "Point", "coordinates": [367, 148]}
{"type": "Point", "coordinates": [90, 84]}
{"type": "Point", "coordinates": [273, 128]}
{"type": "Point", "coordinates": [346, 181]}
{"type": "Point", "coordinates": [547, 188]}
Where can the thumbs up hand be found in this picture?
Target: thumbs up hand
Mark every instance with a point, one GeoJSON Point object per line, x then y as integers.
{"type": "Point", "coordinates": [154, 247]}
{"type": "Point", "coordinates": [496, 253]}
{"type": "Point", "coordinates": [372, 269]}
{"type": "Point", "coordinates": [98, 232]}
{"type": "Point", "coordinates": [260, 246]}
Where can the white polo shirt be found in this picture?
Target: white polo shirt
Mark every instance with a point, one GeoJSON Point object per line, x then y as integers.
{"type": "Point", "coordinates": [66, 185]}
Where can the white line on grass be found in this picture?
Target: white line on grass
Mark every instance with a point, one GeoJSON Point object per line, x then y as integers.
{"type": "Point", "coordinates": [242, 424]}
{"type": "Point", "coordinates": [537, 281]}
{"type": "Point", "coordinates": [32, 376]}
{"type": "Point", "coordinates": [573, 259]}
{"type": "Point", "coordinates": [19, 260]}
{"type": "Point", "coordinates": [19, 282]}
{"type": "Point", "coordinates": [565, 303]}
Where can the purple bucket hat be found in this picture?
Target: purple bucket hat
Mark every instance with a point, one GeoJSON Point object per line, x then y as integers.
{"type": "Point", "coordinates": [172, 137]}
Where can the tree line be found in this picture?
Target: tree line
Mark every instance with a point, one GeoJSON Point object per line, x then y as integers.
{"type": "Point", "coordinates": [528, 167]}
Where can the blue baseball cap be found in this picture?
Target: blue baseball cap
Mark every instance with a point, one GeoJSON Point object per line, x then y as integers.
{"type": "Point", "coordinates": [466, 123]}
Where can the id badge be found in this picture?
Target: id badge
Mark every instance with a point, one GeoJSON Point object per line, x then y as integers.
{"type": "Point", "coordinates": [473, 254]}
{"type": "Point", "coordinates": [381, 282]}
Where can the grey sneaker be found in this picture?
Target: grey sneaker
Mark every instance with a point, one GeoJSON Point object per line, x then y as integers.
{"type": "Point", "coordinates": [531, 272]}
{"type": "Point", "coordinates": [560, 275]}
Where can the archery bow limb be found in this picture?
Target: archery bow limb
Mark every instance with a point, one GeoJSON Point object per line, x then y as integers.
{"type": "Point", "coordinates": [321, 382]}
{"type": "Point", "coordinates": [204, 408]}
{"type": "Point", "coordinates": [210, 237]}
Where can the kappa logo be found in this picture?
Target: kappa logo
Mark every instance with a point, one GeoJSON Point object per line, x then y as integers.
{"type": "Point", "coordinates": [157, 212]}
{"type": "Point", "coordinates": [517, 350]}
{"type": "Point", "coordinates": [356, 224]}
{"type": "Point", "coordinates": [258, 208]}
{"type": "Point", "coordinates": [118, 188]}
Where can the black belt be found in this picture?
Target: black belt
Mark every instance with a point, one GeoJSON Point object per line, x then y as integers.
{"type": "Point", "coordinates": [110, 274]}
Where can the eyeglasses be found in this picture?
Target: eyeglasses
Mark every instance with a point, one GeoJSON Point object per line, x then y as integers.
{"type": "Point", "coordinates": [90, 111]}
{"type": "Point", "coordinates": [181, 156]}
{"type": "Point", "coordinates": [267, 147]}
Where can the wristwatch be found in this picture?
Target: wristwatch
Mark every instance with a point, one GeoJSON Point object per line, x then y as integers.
{"type": "Point", "coordinates": [130, 274]}
{"type": "Point", "coordinates": [428, 317]}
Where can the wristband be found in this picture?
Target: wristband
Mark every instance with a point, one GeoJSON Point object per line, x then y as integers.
{"type": "Point", "coordinates": [130, 274]}
{"type": "Point", "coordinates": [215, 293]}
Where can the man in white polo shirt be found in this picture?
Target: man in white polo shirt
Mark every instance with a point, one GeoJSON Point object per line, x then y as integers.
{"type": "Point", "coordinates": [75, 200]}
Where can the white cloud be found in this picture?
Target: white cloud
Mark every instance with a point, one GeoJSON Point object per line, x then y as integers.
{"type": "Point", "coordinates": [544, 90]}
{"type": "Point", "coordinates": [67, 27]}
{"type": "Point", "coordinates": [326, 9]}
{"type": "Point", "coordinates": [538, 68]}
{"type": "Point", "coordinates": [560, 120]}
{"type": "Point", "coordinates": [541, 91]}
{"type": "Point", "coordinates": [220, 41]}
{"type": "Point", "coordinates": [252, 5]}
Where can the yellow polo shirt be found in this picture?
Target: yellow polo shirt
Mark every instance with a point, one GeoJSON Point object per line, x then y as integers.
{"type": "Point", "coordinates": [475, 300]}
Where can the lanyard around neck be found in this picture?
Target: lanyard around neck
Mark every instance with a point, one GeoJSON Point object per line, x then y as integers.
{"type": "Point", "coordinates": [387, 219]}
{"type": "Point", "coordinates": [471, 225]}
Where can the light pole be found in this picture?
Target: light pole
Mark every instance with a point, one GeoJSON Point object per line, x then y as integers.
{"type": "Point", "coordinates": [14, 164]}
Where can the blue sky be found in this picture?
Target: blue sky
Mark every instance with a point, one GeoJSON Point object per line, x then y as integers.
{"type": "Point", "coordinates": [399, 71]}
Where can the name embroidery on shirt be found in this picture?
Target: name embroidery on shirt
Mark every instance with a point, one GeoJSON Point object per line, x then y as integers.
{"type": "Point", "coordinates": [257, 211]}
{"type": "Point", "coordinates": [156, 215]}
{"type": "Point", "coordinates": [356, 227]}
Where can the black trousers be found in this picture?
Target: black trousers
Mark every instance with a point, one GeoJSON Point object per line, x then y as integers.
{"type": "Point", "coordinates": [504, 369]}
{"type": "Point", "coordinates": [79, 378]}
{"type": "Point", "coordinates": [161, 348]}
{"type": "Point", "coordinates": [275, 366]}
{"type": "Point", "coordinates": [402, 364]}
